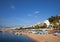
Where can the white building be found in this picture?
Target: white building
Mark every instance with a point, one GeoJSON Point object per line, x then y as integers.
{"type": "Point", "coordinates": [47, 22]}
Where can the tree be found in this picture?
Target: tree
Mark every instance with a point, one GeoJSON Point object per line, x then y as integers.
{"type": "Point", "coordinates": [36, 26]}
{"type": "Point", "coordinates": [54, 20]}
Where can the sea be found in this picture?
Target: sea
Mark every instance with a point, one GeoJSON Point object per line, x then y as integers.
{"type": "Point", "coordinates": [9, 37]}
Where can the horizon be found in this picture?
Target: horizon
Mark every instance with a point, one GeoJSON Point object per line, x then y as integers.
{"type": "Point", "coordinates": [27, 12]}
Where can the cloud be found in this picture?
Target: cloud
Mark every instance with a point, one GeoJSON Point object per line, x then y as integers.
{"type": "Point", "coordinates": [36, 12]}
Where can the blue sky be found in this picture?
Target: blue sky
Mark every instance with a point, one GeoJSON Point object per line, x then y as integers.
{"type": "Point", "coordinates": [27, 12]}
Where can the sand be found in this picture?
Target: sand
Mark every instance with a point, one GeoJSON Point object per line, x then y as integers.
{"type": "Point", "coordinates": [42, 37]}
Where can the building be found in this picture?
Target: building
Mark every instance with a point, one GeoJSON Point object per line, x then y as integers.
{"type": "Point", "coordinates": [47, 22]}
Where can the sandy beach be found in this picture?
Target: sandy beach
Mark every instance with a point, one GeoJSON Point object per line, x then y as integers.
{"type": "Point", "coordinates": [42, 37]}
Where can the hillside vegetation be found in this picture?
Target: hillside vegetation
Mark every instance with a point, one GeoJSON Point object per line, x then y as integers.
{"type": "Point", "coordinates": [55, 21]}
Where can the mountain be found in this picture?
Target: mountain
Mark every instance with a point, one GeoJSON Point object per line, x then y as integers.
{"type": "Point", "coordinates": [10, 26]}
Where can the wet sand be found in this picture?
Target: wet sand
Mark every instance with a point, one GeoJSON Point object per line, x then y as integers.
{"type": "Point", "coordinates": [42, 37]}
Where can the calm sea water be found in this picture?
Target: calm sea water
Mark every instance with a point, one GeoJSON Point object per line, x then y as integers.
{"type": "Point", "coordinates": [8, 37]}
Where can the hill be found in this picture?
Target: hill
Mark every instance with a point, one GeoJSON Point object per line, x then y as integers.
{"type": "Point", "coordinates": [55, 21]}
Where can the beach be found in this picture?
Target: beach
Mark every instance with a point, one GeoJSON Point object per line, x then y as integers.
{"type": "Point", "coordinates": [42, 37]}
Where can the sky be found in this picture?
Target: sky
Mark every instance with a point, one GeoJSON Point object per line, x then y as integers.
{"type": "Point", "coordinates": [27, 12]}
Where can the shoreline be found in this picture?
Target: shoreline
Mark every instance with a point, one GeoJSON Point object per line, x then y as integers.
{"type": "Point", "coordinates": [42, 37]}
